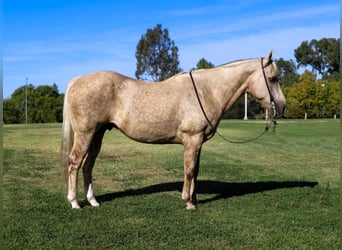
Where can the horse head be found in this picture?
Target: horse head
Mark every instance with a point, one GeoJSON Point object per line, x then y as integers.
{"type": "Point", "coordinates": [265, 85]}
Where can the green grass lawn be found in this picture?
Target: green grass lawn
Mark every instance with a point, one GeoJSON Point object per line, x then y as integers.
{"type": "Point", "coordinates": [279, 192]}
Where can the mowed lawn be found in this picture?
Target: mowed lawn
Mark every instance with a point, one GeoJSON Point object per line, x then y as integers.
{"type": "Point", "coordinates": [279, 192]}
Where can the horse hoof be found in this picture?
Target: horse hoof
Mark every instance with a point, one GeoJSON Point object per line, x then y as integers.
{"type": "Point", "coordinates": [190, 206]}
{"type": "Point", "coordinates": [75, 205]}
{"type": "Point", "coordinates": [94, 203]}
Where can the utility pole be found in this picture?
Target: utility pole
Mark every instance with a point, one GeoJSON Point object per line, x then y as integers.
{"type": "Point", "coordinates": [26, 101]}
{"type": "Point", "coordinates": [246, 97]}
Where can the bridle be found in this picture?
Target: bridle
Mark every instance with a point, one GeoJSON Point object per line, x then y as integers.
{"type": "Point", "coordinates": [268, 125]}
{"type": "Point", "coordinates": [268, 87]}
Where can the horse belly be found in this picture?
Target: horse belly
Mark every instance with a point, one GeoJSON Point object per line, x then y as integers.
{"type": "Point", "coordinates": [151, 131]}
{"type": "Point", "coordinates": [150, 115]}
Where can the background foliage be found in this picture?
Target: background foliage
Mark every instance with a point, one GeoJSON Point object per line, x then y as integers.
{"type": "Point", "coordinates": [44, 105]}
{"type": "Point", "coordinates": [315, 97]}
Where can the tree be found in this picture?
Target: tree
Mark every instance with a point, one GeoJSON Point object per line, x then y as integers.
{"type": "Point", "coordinates": [157, 55]}
{"type": "Point", "coordinates": [334, 97]}
{"type": "Point", "coordinates": [322, 55]}
{"type": "Point", "coordinates": [11, 112]}
{"type": "Point", "coordinates": [14, 107]}
{"type": "Point", "coordinates": [301, 96]}
{"type": "Point", "coordinates": [288, 72]}
{"type": "Point", "coordinates": [44, 105]}
{"type": "Point", "coordinates": [237, 111]}
{"type": "Point", "coordinates": [313, 98]}
{"type": "Point", "coordinates": [328, 98]}
{"type": "Point", "coordinates": [204, 64]}
{"type": "Point", "coordinates": [47, 104]}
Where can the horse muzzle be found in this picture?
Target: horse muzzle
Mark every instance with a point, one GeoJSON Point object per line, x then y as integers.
{"type": "Point", "coordinates": [278, 109]}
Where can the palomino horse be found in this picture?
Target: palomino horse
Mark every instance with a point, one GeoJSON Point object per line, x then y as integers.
{"type": "Point", "coordinates": [184, 109]}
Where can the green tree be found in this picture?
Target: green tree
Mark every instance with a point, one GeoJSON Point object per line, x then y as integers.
{"type": "Point", "coordinates": [47, 104]}
{"type": "Point", "coordinates": [313, 98]}
{"type": "Point", "coordinates": [288, 71]}
{"type": "Point", "coordinates": [300, 96]}
{"type": "Point", "coordinates": [157, 55]}
{"type": "Point", "coordinates": [44, 104]}
{"type": "Point", "coordinates": [322, 55]}
{"type": "Point", "coordinates": [237, 111]}
{"type": "Point", "coordinates": [331, 103]}
{"type": "Point", "coordinates": [335, 96]}
{"type": "Point", "coordinates": [14, 107]}
{"type": "Point", "coordinates": [204, 64]}
{"type": "Point", "coordinates": [11, 112]}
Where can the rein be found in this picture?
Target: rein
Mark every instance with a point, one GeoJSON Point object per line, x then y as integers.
{"type": "Point", "coordinates": [268, 125]}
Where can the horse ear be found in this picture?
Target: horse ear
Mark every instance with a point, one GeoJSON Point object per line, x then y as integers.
{"type": "Point", "coordinates": [269, 57]}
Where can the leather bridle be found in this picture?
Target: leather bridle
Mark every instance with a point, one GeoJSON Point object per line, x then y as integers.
{"type": "Point", "coordinates": [272, 122]}
{"type": "Point", "coordinates": [273, 105]}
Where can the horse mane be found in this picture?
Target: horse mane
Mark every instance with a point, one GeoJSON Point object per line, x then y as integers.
{"type": "Point", "coordinates": [232, 63]}
{"type": "Point", "coordinates": [228, 64]}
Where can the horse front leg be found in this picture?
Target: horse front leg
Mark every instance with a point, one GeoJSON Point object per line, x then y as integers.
{"type": "Point", "coordinates": [193, 197]}
{"type": "Point", "coordinates": [192, 151]}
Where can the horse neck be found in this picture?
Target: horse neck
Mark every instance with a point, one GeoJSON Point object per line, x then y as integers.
{"type": "Point", "coordinates": [223, 85]}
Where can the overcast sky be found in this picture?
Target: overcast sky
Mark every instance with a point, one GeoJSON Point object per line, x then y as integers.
{"type": "Point", "coordinates": [52, 41]}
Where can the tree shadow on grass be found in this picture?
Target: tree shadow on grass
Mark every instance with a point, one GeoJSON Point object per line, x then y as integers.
{"type": "Point", "coordinates": [222, 190]}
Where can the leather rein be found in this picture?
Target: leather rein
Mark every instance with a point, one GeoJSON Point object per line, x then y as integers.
{"type": "Point", "coordinates": [268, 125]}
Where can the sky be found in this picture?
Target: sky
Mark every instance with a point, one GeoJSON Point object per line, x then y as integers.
{"type": "Point", "coordinates": [53, 41]}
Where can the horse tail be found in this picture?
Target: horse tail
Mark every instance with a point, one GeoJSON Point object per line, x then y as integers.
{"type": "Point", "coordinates": [67, 139]}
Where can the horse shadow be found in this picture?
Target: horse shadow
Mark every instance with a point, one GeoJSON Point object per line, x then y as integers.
{"type": "Point", "coordinates": [223, 190]}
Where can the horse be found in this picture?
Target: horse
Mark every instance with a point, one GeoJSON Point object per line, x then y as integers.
{"type": "Point", "coordinates": [184, 109]}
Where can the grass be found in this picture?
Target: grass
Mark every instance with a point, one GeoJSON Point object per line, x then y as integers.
{"type": "Point", "coordinates": [279, 192]}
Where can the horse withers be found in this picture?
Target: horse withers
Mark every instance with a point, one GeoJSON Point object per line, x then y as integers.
{"type": "Point", "coordinates": [184, 109]}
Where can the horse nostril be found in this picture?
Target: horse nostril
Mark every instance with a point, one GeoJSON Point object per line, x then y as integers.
{"type": "Point", "coordinates": [284, 109]}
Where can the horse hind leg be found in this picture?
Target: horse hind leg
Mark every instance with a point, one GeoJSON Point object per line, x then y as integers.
{"type": "Point", "coordinates": [94, 150]}
{"type": "Point", "coordinates": [76, 156]}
